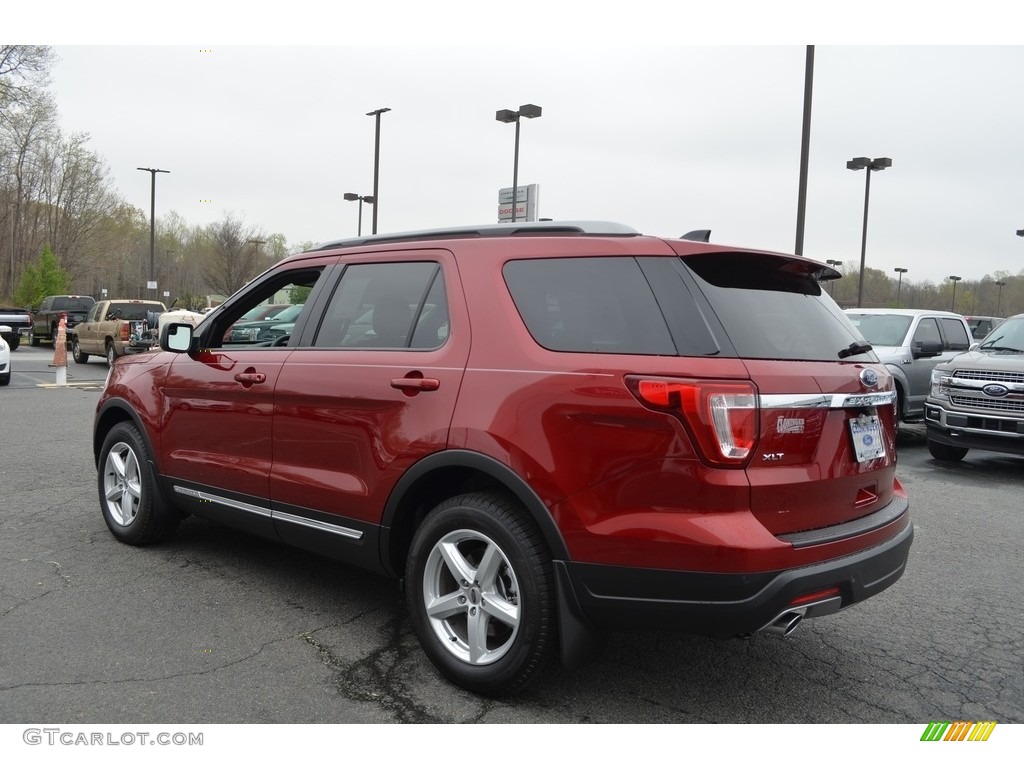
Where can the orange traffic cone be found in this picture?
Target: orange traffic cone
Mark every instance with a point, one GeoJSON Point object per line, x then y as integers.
{"type": "Point", "coordinates": [60, 351]}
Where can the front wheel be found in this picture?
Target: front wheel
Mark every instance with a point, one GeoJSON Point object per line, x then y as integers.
{"type": "Point", "coordinates": [77, 353]}
{"type": "Point", "coordinates": [33, 340]}
{"type": "Point", "coordinates": [480, 590]}
{"type": "Point", "coordinates": [132, 507]}
{"type": "Point", "coordinates": [944, 452]}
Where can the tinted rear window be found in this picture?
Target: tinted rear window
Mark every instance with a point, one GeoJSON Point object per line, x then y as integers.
{"type": "Point", "coordinates": [772, 307]}
{"type": "Point", "coordinates": [589, 305]}
{"type": "Point", "coordinates": [73, 304]}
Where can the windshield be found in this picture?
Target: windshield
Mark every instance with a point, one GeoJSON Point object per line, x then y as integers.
{"type": "Point", "coordinates": [1008, 337]}
{"type": "Point", "coordinates": [882, 330]}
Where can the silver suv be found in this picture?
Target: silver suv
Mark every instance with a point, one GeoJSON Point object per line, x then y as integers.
{"type": "Point", "coordinates": [977, 400]}
{"type": "Point", "coordinates": [911, 342]}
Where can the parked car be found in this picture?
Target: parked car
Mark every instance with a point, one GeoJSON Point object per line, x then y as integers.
{"type": "Point", "coordinates": [265, 330]}
{"type": "Point", "coordinates": [982, 325]}
{"type": "Point", "coordinates": [977, 398]}
{"type": "Point", "coordinates": [911, 342]}
{"type": "Point", "coordinates": [546, 430]}
{"type": "Point", "coordinates": [47, 317]}
{"type": "Point", "coordinates": [15, 321]}
{"type": "Point", "coordinates": [5, 356]}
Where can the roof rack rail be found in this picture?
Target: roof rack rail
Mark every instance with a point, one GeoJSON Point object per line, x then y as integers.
{"type": "Point", "coordinates": [606, 228]}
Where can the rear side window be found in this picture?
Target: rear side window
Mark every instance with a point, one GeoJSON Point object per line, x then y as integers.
{"type": "Point", "coordinates": [955, 333]}
{"type": "Point", "coordinates": [387, 306]}
{"type": "Point", "coordinates": [589, 305]}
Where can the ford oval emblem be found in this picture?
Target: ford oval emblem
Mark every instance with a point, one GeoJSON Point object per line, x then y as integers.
{"type": "Point", "coordinates": [995, 390]}
{"type": "Point", "coordinates": [869, 377]}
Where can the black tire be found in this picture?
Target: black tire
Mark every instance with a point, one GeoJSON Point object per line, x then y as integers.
{"type": "Point", "coordinates": [15, 342]}
{"type": "Point", "coordinates": [111, 354]}
{"type": "Point", "coordinates": [511, 607]}
{"type": "Point", "coordinates": [5, 379]}
{"type": "Point", "coordinates": [132, 506]}
{"type": "Point", "coordinates": [944, 452]}
{"type": "Point", "coordinates": [77, 353]}
{"type": "Point", "coordinates": [33, 340]}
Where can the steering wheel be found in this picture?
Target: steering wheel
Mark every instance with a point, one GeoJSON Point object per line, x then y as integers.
{"type": "Point", "coordinates": [281, 341]}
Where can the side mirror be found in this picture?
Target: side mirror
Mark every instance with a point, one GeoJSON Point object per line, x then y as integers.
{"type": "Point", "coordinates": [926, 349]}
{"type": "Point", "coordinates": [176, 337]}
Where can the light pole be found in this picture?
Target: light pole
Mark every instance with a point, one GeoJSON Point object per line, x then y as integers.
{"type": "Point", "coordinates": [954, 279]}
{"type": "Point", "coordinates": [511, 116]}
{"type": "Point", "coordinates": [152, 218]}
{"type": "Point", "coordinates": [836, 264]}
{"type": "Point", "coordinates": [369, 199]}
{"type": "Point", "coordinates": [999, 296]}
{"type": "Point", "coordinates": [14, 211]}
{"type": "Point", "coordinates": [376, 159]}
{"type": "Point", "coordinates": [856, 164]}
{"type": "Point", "coordinates": [899, 283]}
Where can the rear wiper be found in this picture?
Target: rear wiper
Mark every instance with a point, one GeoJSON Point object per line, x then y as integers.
{"type": "Point", "coordinates": [856, 348]}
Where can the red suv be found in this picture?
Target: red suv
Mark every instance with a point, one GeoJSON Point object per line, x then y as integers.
{"type": "Point", "coordinates": [546, 430]}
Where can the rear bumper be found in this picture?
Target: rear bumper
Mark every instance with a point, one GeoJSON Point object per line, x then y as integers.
{"type": "Point", "coordinates": [723, 604]}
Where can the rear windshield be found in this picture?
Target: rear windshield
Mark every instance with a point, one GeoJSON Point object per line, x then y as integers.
{"type": "Point", "coordinates": [73, 303]}
{"type": "Point", "coordinates": [730, 305]}
{"type": "Point", "coordinates": [882, 330]}
{"type": "Point", "coordinates": [131, 311]}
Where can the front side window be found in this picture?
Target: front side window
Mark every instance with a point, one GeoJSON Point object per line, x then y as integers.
{"type": "Point", "coordinates": [290, 289]}
{"type": "Point", "coordinates": [927, 332]}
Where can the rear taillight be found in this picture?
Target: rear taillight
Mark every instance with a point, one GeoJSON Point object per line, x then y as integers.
{"type": "Point", "coordinates": [125, 331]}
{"type": "Point", "coordinates": [722, 415]}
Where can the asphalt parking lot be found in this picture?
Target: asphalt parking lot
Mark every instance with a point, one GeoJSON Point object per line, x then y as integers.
{"type": "Point", "coordinates": [217, 626]}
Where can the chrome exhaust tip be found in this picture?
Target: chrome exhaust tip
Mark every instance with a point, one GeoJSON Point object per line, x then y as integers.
{"type": "Point", "coordinates": [784, 623]}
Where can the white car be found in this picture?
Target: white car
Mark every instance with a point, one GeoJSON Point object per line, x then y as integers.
{"type": "Point", "coordinates": [5, 357]}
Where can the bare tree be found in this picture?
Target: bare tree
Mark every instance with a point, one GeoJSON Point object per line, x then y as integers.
{"type": "Point", "coordinates": [235, 256]}
{"type": "Point", "coordinates": [23, 68]}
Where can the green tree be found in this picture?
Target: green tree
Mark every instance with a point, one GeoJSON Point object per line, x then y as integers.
{"type": "Point", "coordinates": [44, 278]}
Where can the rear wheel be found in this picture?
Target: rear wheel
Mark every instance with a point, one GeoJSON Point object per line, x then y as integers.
{"type": "Point", "coordinates": [132, 507]}
{"type": "Point", "coordinates": [944, 452]}
{"type": "Point", "coordinates": [77, 353]}
{"type": "Point", "coordinates": [111, 353]}
{"type": "Point", "coordinates": [480, 590]}
{"type": "Point", "coordinates": [15, 342]}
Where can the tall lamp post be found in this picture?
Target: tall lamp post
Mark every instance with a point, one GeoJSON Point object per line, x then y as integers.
{"type": "Point", "coordinates": [856, 164]}
{"type": "Point", "coordinates": [376, 159]}
{"type": "Point", "coordinates": [836, 264]}
{"type": "Point", "coordinates": [152, 218]}
{"type": "Point", "coordinates": [512, 116]}
{"type": "Point", "coordinates": [954, 279]}
{"type": "Point", "coordinates": [369, 199]}
{"type": "Point", "coordinates": [899, 283]}
{"type": "Point", "coordinates": [999, 296]}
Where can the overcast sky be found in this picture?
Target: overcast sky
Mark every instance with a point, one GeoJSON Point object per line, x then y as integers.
{"type": "Point", "coordinates": [664, 137]}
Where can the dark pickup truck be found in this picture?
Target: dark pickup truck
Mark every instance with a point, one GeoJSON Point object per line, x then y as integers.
{"type": "Point", "coordinates": [18, 320]}
{"type": "Point", "coordinates": [46, 318]}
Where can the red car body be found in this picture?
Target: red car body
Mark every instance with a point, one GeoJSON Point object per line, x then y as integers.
{"type": "Point", "coordinates": [719, 493]}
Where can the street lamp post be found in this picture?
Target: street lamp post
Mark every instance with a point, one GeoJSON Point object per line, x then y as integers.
{"type": "Point", "coordinates": [369, 199]}
{"type": "Point", "coordinates": [899, 283]}
{"type": "Point", "coordinates": [999, 296]}
{"type": "Point", "coordinates": [836, 264]}
{"type": "Point", "coordinates": [376, 159]}
{"type": "Point", "coordinates": [954, 279]}
{"type": "Point", "coordinates": [152, 218]}
{"type": "Point", "coordinates": [856, 164]}
{"type": "Point", "coordinates": [512, 116]}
